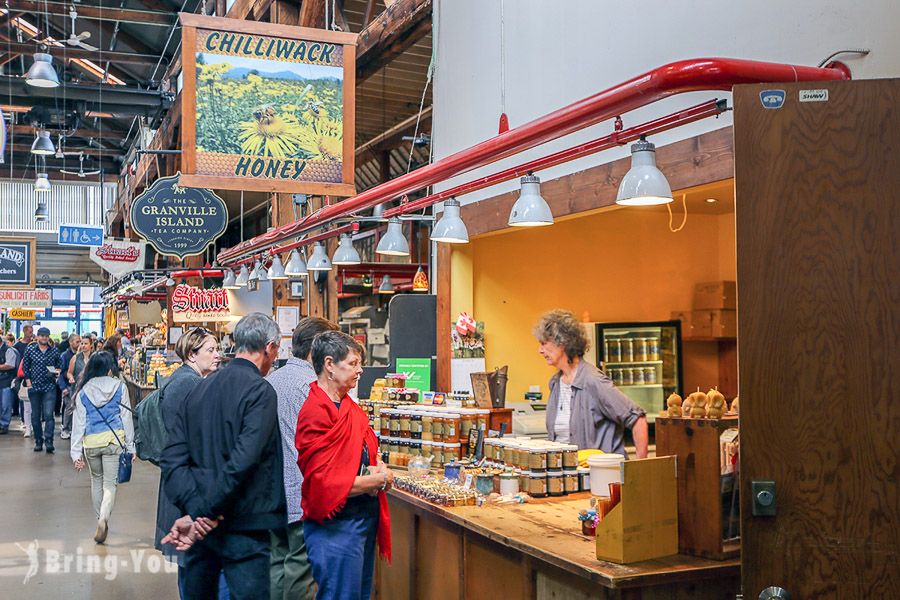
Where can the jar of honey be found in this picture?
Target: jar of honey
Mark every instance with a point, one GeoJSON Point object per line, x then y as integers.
{"type": "Point", "coordinates": [394, 444]}
{"type": "Point", "coordinates": [640, 350]}
{"type": "Point", "coordinates": [427, 426]}
{"type": "Point", "coordinates": [451, 428]}
{"type": "Point", "coordinates": [437, 426]}
{"type": "Point", "coordinates": [437, 449]}
{"type": "Point", "coordinates": [427, 449]}
{"type": "Point", "coordinates": [555, 484]}
{"type": "Point", "coordinates": [649, 375]}
{"type": "Point", "coordinates": [394, 424]}
{"type": "Point", "coordinates": [466, 423]}
{"type": "Point", "coordinates": [415, 426]}
{"type": "Point", "coordinates": [638, 376]}
{"type": "Point", "coordinates": [451, 452]}
{"type": "Point", "coordinates": [570, 481]}
{"type": "Point", "coordinates": [627, 350]}
{"type": "Point", "coordinates": [537, 485]}
{"type": "Point", "coordinates": [384, 423]}
{"type": "Point", "coordinates": [554, 458]}
{"type": "Point", "coordinates": [508, 455]}
{"type": "Point", "coordinates": [653, 348]}
{"type": "Point", "coordinates": [627, 376]}
{"type": "Point", "coordinates": [415, 448]}
{"type": "Point", "coordinates": [537, 460]}
{"type": "Point", "coordinates": [481, 419]}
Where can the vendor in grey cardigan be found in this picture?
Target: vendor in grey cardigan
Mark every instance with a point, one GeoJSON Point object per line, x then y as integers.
{"type": "Point", "coordinates": [290, 572]}
{"type": "Point", "coordinates": [584, 407]}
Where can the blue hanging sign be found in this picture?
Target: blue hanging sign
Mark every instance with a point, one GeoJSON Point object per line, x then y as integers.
{"type": "Point", "coordinates": [80, 235]}
{"type": "Point", "coordinates": [178, 221]}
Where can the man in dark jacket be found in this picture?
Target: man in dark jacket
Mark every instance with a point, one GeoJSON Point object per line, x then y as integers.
{"type": "Point", "coordinates": [41, 384]}
{"type": "Point", "coordinates": [222, 466]}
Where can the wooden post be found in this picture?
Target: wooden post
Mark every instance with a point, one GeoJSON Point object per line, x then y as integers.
{"type": "Point", "coordinates": [440, 279]}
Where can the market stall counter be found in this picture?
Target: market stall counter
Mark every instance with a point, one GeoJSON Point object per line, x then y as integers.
{"type": "Point", "coordinates": [527, 551]}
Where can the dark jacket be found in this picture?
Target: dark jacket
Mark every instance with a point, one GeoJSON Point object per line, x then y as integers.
{"type": "Point", "coordinates": [35, 363]}
{"type": "Point", "coordinates": [63, 380]}
{"type": "Point", "coordinates": [223, 455]}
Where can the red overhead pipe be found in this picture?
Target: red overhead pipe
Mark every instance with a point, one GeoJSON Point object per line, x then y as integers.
{"type": "Point", "coordinates": [673, 78]}
{"type": "Point", "coordinates": [198, 273]}
{"type": "Point", "coordinates": [304, 242]}
{"type": "Point", "coordinates": [683, 117]}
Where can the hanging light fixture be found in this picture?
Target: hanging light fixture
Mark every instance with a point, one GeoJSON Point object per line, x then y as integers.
{"type": "Point", "coordinates": [450, 228]}
{"type": "Point", "coordinates": [41, 73]}
{"type": "Point", "coordinates": [228, 282]}
{"type": "Point", "coordinates": [243, 277]}
{"type": "Point", "coordinates": [393, 243]}
{"type": "Point", "coordinates": [296, 265]}
{"type": "Point", "coordinates": [530, 210]}
{"type": "Point", "coordinates": [254, 274]}
{"type": "Point", "coordinates": [346, 254]}
{"type": "Point", "coordinates": [41, 215]}
{"type": "Point", "coordinates": [386, 287]}
{"type": "Point", "coordinates": [367, 281]}
{"type": "Point", "coordinates": [42, 183]}
{"type": "Point", "coordinates": [276, 271]}
{"type": "Point", "coordinates": [42, 144]}
{"type": "Point", "coordinates": [318, 261]}
{"type": "Point", "coordinates": [170, 282]}
{"type": "Point", "coordinates": [644, 184]}
{"type": "Point", "coordinates": [420, 281]}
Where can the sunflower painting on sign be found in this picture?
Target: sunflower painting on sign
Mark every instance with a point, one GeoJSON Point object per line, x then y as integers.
{"type": "Point", "coordinates": [273, 107]}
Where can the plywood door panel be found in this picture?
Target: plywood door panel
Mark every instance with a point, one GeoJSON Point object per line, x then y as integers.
{"type": "Point", "coordinates": [439, 565]}
{"type": "Point", "coordinates": [818, 270]}
{"type": "Point", "coordinates": [487, 573]}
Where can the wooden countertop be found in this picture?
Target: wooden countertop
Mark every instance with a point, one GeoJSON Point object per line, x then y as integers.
{"type": "Point", "coordinates": [548, 529]}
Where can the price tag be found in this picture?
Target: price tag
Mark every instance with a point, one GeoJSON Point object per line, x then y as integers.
{"type": "Point", "coordinates": [469, 479]}
{"type": "Point", "coordinates": [729, 435]}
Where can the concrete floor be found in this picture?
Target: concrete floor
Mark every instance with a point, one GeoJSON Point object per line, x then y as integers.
{"type": "Point", "coordinates": [44, 499]}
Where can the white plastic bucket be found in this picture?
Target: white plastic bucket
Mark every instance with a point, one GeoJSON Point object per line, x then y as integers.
{"type": "Point", "coordinates": [605, 469]}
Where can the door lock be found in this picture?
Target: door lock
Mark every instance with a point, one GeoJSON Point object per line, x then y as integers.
{"type": "Point", "coordinates": [774, 593]}
{"type": "Point", "coordinates": [763, 493]}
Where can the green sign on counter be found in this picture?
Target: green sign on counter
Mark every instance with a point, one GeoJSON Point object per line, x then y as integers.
{"type": "Point", "coordinates": [417, 371]}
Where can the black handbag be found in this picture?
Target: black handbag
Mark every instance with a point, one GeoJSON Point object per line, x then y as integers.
{"type": "Point", "coordinates": [125, 459]}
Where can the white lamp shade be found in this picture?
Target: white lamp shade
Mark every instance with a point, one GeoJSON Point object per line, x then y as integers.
{"type": "Point", "coordinates": [42, 183]}
{"type": "Point", "coordinates": [530, 210]}
{"type": "Point", "coordinates": [387, 286]}
{"type": "Point", "coordinates": [450, 229]}
{"type": "Point", "coordinates": [393, 243]}
{"type": "Point", "coordinates": [263, 273]}
{"type": "Point", "coordinates": [319, 261]}
{"type": "Point", "coordinates": [643, 184]}
{"type": "Point", "coordinates": [254, 274]}
{"type": "Point", "coordinates": [346, 254]}
{"type": "Point", "coordinates": [276, 271]}
{"type": "Point", "coordinates": [41, 73]}
{"type": "Point", "coordinates": [296, 265]}
{"type": "Point", "coordinates": [242, 277]}
{"type": "Point", "coordinates": [43, 145]}
{"type": "Point", "coordinates": [228, 282]}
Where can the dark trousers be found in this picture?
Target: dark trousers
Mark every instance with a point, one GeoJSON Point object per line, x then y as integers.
{"type": "Point", "coordinates": [342, 555]}
{"type": "Point", "coordinates": [290, 573]}
{"type": "Point", "coordinates": [42, 405]}
{"type": "Point", "coordinates": [242, 555]}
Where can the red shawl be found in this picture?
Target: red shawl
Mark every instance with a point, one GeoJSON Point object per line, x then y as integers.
{"type": "Point", "coordinates": [329, 442]}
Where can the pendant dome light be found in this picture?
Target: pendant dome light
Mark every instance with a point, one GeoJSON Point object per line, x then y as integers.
{"type": "Point", "coordinates": [41, 73]}
{"type": "Point", "coordinates": [228, 282]}
{"type": "Point", "coordinates": [43, 145]}
{"type": "Point", "coordinates": [530, 210]}
{"type": "Point", "coordinates": [41, 215]}
{"type": "Point", "coordinates": [276, 271]}
{"type": "Point", "coordinates": [346, 254]}
{"type": "Point", "coordinates": [42, 183]}
{"type": "Point", "coordinates": [420, 281]}
{"type": "Point", "coordinates": [243, 277]}
{"type": "Point", "coordinates": [262, 272]}
{"type": "Point", "coordinates": [387, 286]}
{"type": "Point", "coordinates": [296, 265]}
{"type": "Point", "coordinates": [254, 273]}
{"type": "Point", "coordinates": [450, 228]}
{"type": "Point", "coordinates": [319, 260]}
{"type": "Point", "coordinates": [393, 243]}
{"type": "Point", "coordinates": [644, 184]}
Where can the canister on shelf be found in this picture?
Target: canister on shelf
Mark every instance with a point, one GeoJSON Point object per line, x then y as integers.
{"type": "Point", "coordinates": [451, 428]}
{"type": "Point", "coordinates": [617, 375]}
{"type": "Point", "coordinates": [437, 426]}
{"type": "Point", "coordinates": [405, 425]}
{"type": "Point", "coordinates": [570, 456]}
{"type": "Point", "coordinates": [653, 348]}
{"type": "Point", "coordinates": [394, 423]}
{"type": "Point", "coordinates": [640, 350]}
{"type": "Point", "coordinates": [570, 481]}
{"type": "Point", "coordinates": [649, 375]}
{"type": "Point", "coordinates": [627, 350]}
{"type": "Point", "coordinates": [638, 375]}
{"type": "Point", "coordinates": [427, 449]}
{"type": "Point", "coordinates": [466, 423]}
{"type": "Point", "coordinates": [451, 452]}
{"type": "Point", "coordinates": [555, 483]}
{"type": "Point", "coordinates": [384, 423]}
{"type": "Point", "coordinates": [537, 485]}
{"type": "Point", "coordinates": [627, 376]}
{"type": "Point", "coordinates": [415, 426]}
{"type": "Point", "coordinates": [481, 419]}
{"type": "Point", "coordinates": [554, 458]}
{"type": "Point", "coordinates": [427, 426]}
{"type": "Point", "coordinates": [537, 459]}
{"type": "Point", "coordinates": [614, 351]}
{"type": "Point", "coordinates": [584, 479]}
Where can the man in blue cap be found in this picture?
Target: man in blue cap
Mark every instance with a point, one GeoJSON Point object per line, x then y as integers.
{"type": "Point", "coordinates": [41, 384]}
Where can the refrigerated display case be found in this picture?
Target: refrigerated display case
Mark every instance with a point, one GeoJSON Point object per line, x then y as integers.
{"type": "Point", "coordinates": [642, 359]}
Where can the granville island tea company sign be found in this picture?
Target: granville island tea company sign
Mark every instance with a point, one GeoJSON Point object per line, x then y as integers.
{"type": "Point", "coordinates": [178, 221]}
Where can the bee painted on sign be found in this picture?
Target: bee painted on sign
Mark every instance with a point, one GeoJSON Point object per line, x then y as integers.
{"type": "Point", "coordinates": [267, 107]}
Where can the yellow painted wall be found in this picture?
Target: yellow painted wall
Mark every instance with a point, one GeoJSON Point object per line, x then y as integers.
{"type": "Point", "coordinates": [617, 265]}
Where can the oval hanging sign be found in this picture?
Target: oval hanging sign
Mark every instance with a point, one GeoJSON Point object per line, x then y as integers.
{"type": "Point", "coordinates": [178, 221]}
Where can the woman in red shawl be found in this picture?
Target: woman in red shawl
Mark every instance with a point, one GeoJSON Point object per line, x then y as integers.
{"type": "Point", "coordinates": [343, 492]}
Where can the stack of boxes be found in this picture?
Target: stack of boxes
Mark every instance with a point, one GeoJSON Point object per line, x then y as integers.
{"type": "Point", "coordinates": [714, 314]}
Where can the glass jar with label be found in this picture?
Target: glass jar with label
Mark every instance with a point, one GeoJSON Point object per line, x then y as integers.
{"type": "Point", "coordinates": [466, 423]}
{"type": "Point", "coordinates": [537, 460]}
{"type": "Point", "coordinates": [437, 426]}
{"type": "Point", "coordinates": [554, 458]}
{"type": "Point", "coordinates": [627, 376]}
{"type": "Point", "coordinates": [653, 348]}
{"type": "Point", "coordinates": [394, 424]}
{"type": "Point", "coordinates": [384, 445]}
{"type": "Point", "coordinates": [570, 481]}
{"type": "Point", "coordinates": [570, 456]}
{"type": "Point", "coordinates": [508, 455]}
{"type": "Point", "coordinates": [640, 350]}
{"type": "Point", "coordinates": [649, 375]}
{"type": "Point", "coordinates": [437, 450]}
{"type": "Point", "coordinates": [537, 485]}
{"type": "Point", "coordinates": [394, 444]}
{"type": "Point", "coordinates": [627, 350]}
{"type": "Point", "coordinates": [481, 419]}
{"type": "Point", "coordinates": [427, 426]}
{"type": "Point", "coordinates": [415, 448]}
{"type": "Point", "coordinates": [384, 423]}
{"type": "Point", "coordinates": [555, 483]}
{"type": "Point", "coordinates": [427, 449]}
{"type": "Point", "coordinates": [404, 446]}
{"type": "Point", "coordinates": [404, 425]}
{"type": "Point", "coordinates": [415, 426]}
{"type": "Point", "coordinates": [451, 452]}
{"type": "Point", "coordinates": [617, 375]}
{"type": "Point", "coordinates": [638, 376]}
{"type": "Point", "coordinates": [584, 479]}
{"type": "Point", "coordinates": [451, 428]}
{"type": "Point", "coordinates": [614, 351]}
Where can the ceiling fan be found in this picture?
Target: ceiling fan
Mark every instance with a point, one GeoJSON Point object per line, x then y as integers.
{"type": "Point", "coordinates": [78, 40]}
{"type": "Point", "coordinates": [80, 172]}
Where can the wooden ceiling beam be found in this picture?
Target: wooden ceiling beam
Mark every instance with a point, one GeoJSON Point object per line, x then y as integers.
{"type": "Point", "coordinates": [312, 14]}
{"type": "Point", "coordinates": [393, 137]}
{"type": "Point", "coordinates": [28, 175]}
{"type": "Point", "coordinates": [107, 152]}
{"type": "Point", "coordinates": [106, 134]}
{"type": "Point", "coordinates": [403, 24]}
{"type": "Point", "coordinates": [66, 52]}
{"type": "Point", "coordinates": [142, 17]}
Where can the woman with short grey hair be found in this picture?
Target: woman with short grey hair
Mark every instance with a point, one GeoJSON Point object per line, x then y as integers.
{"type": "Point", "coordinates": [584, 407]}
{"type": "Point", "coordinates": [343, 494]}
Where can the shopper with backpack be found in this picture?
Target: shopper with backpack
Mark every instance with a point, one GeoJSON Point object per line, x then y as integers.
{"type": "Point", "coordinates": [102, 430]}
{"type": "Point", "coordinates": [199, 353]}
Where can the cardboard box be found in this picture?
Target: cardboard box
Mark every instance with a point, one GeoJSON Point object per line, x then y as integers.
{"type": "Point", "coordinates": [644, 525]}
{"type": "Point", "coordinates": [714, 323]}
{"type": "Point", "coordinates": [715, 295]}
{"type": "Point", "coordinates": [685, 317]}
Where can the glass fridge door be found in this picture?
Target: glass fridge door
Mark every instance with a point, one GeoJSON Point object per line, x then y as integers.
{"type": "Point", "coordinates": [643, 360]}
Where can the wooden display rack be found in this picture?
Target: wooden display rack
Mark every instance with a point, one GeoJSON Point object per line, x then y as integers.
{"type": "Point", "coordinates": [644, 525]}
{"type": "Point", "coordinates": [695, 443]}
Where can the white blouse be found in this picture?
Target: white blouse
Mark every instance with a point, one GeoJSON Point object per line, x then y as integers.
{"type": "Point", "coordinates": [563, 412]}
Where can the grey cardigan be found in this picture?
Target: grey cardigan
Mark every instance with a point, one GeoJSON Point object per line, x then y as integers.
{"type": "Point", "coordinates": [600, 412]}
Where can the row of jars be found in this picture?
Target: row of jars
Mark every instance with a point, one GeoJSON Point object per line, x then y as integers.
{"type": "Point", "coordinates": [531, 455]}
{"type": "Point", "coordinates": [635, 376]}
{"type": "Point", "coordinates": [540, 484]}
{"type": "Point", "coordinates": [400, 451]}
{"type": "Point", "coordinates": [632, 350]}
{"type": "Point", "coordinates": [430, 425]}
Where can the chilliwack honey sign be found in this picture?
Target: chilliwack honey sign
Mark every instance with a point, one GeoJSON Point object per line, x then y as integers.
{"type": "Point", "coordinates": [267, 107]}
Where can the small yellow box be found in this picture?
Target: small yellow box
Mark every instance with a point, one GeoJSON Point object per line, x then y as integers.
{"type": "Point", "coordinates": [644, 525]}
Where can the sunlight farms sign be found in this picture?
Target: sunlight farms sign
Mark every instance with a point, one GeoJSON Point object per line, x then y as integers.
{"type": "Point", "coordinates": [267, 107]}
